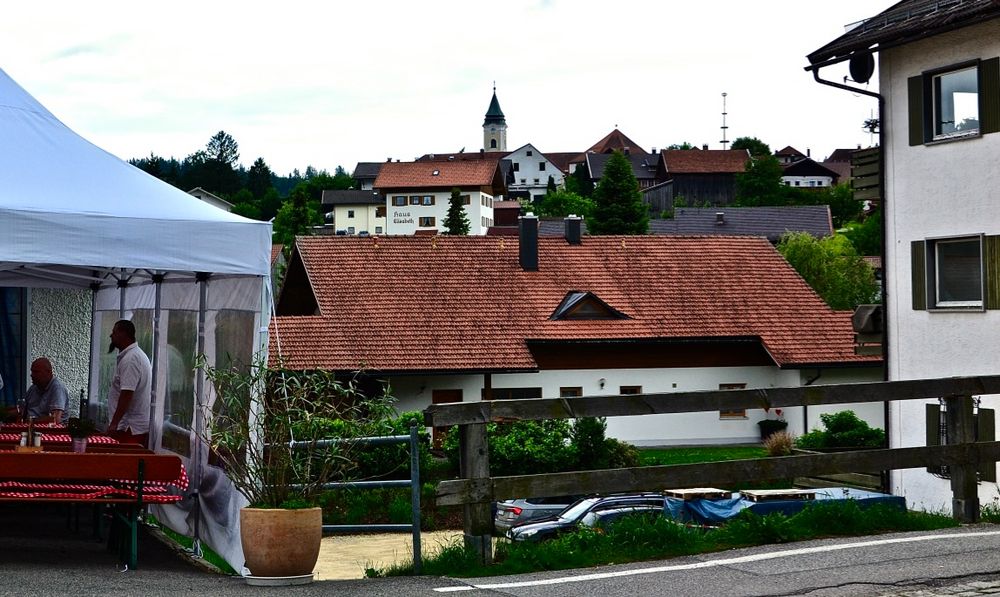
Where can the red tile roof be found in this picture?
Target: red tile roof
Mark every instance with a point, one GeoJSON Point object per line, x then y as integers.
{"type": "Point", "coordinates": [705, 161]}
{"type": "Point", "coordinates": [615, 140]}
{"type": "Point", "coordinates": [421, 175]}
{"type": "Point", "coordinates": [275, 251]}
{"type": "Point", "coordinates": [411, 303]}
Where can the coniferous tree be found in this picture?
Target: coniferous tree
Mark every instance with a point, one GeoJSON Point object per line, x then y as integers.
{"type": "Point", "coordinates": [618, 206]}
{"type": "Point", "coordinates": [456, 222]}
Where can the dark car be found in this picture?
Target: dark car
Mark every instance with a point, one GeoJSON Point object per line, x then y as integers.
{"type": "Point", "coordinates": [586, 512]}
{"type": "Point", "coordinates": [510, 513]}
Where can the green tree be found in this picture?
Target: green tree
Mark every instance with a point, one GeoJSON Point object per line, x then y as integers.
{"type": "Point", "coordinates": [579, 182]}
{"type": "Point", "coordinates": [761, 183]}
{"type": "Point", "coordinates": [867, 236]}
{"type": "Point", "coordinates": [456, 222]}
{"type": "Point", "coordinates": [550, 187]}
{"type": "Point", "coordinates": [223, 148]}
{"type": "Point", "coordinates": [832, 268]}
{"type": "Point", "coordinates": [684, 145]}
{"type": "Point", "coordinates": [618, 206]}
{"type": "Point", "coordinates": [844, 207]}
{"type": "Point", "coordinates": [755, 146]}
{"type": "Point", "coordinates": [565, 203]}
{"type": "Point", "coordinates": [269, 204]}
{"type": "Point", "coordinates": [296, 217]}
{"type": "Point", "coordinates": [259, 178]}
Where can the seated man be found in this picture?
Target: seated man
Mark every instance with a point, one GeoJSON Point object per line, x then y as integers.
{"type": "Point", "coordinates": [46, 399]}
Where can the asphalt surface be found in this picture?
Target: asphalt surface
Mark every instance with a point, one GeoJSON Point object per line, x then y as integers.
{"type": "Point", "coordinates": [40, 555]}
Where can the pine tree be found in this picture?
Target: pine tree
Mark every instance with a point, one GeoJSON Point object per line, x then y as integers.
{"type": "Point", "coordinates": [618, 206]}
{"type": "Point", "coordinates": [456, 223]}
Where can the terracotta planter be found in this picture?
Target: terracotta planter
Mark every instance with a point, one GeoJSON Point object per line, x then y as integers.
{"type": "Point", "coordinates": [279, 543]}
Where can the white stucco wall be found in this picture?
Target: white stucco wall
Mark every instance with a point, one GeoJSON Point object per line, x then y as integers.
{"type": "Point", "coordinates": [364, 219]}
{"type": "Point", "coordinates": [528, 170]}
{"type": "Point", "coordinates": [415, 392]}
{"type": "Point", "coordinates": [406, 219]}
{"type": "Point", "coordinates": [948, 189]}
{"type": "Point", "coordinates": [59, 329]}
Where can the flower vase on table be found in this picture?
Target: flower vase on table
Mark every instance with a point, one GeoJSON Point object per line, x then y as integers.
{"type": "Point", "coordinates": [79, 430]}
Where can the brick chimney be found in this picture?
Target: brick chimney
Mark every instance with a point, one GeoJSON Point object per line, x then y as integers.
{"type": "Point", "coordinates": [528, 242]}
{"type": "Point", "coordinates": [573, 229]}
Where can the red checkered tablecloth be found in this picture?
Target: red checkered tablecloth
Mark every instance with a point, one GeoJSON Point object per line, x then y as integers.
{"type": "Point", "coordinates": [156, 492]}
{"type": "Point", "coordinates": [57, 438]}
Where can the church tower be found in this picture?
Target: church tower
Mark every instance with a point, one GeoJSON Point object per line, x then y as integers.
{"type": "Point", "coordinates": [495, 126]}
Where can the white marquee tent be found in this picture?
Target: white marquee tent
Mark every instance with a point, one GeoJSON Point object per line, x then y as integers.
{"type": "Point", "coordinates": [194, 279]}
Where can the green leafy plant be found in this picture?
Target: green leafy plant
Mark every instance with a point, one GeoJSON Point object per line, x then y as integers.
{"type": "Point", "coordinates": [280, 435]}
{"type": "Point", "coordinates": [843, 429]}
{"type": "Point", "coordinates": [80, 428]}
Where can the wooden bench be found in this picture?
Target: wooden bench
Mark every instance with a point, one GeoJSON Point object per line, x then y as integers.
{"type": "Point", "coordinates": [119, 479]}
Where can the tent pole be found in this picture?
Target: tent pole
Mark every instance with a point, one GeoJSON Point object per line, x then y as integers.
{"type": "Point", "coordinates": [199, 413]}
{"type": "Point", "coordinates": [154, 429]}
{"type": "Point", "coordinates": [122, 287]}
{"type": "Point", "coordinates": [95, 343]}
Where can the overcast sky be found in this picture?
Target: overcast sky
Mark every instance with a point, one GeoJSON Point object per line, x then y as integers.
{"type": "Point", "coordinates": [330, 83]}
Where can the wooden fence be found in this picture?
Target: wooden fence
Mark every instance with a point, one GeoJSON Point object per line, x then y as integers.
{"type": "Point", "coordinates": [476, 489]}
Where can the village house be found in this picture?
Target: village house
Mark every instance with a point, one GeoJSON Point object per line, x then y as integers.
{"type": "Point", "coordinates": [355, 211]}
{"type": "Point", "coordinates": [939, 80]}
{"type": "Point", "coordinates": [446, 319]}
{"type": "Point", "coordinates": [417, 194]}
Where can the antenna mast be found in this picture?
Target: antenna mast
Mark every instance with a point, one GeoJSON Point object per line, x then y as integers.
{"type": "Point", "coordinates": [724, 127]}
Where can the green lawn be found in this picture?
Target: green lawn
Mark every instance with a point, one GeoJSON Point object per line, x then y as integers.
{"type": "Point", "coordinates": [688, 455]}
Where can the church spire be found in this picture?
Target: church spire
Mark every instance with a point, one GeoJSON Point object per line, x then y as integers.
{"type": "Point", "coordinates": [495, 126]}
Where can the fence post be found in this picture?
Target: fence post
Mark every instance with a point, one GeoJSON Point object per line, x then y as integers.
{"type": "Point", "coordinates": [474, 463]}
{"type": "Point", "coordinates": [415, 496]}
{"type": "Point", "coordinates": [961, 430]}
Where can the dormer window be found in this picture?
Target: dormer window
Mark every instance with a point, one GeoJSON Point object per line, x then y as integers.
{"type": "Point", "coordinates": [578, 305]}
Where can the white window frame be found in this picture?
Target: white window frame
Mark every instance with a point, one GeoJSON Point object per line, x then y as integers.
{"type": "Point", "coordinates": [935, 104]}
{"type": "Point", "coordinates": [933, 280]}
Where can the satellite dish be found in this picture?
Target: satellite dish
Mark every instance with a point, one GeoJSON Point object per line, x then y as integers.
{"type": "Point", "coordinates": [862, 66]}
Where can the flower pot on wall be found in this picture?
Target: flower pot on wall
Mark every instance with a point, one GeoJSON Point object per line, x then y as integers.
{"type": "Point", "coordinates": [771, 426]}
{"type": "Point", "coordinates": [281, 543]}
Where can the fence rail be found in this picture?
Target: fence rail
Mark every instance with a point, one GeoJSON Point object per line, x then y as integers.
{"type": "Point", "coordinates": [476, 490]}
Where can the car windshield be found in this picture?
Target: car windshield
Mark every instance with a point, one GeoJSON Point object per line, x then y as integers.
{"type": "Point", "coordinates": [577, 510]}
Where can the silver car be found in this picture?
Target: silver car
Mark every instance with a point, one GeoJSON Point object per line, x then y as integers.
{"type": "Point", "coordinates": [511, 513]}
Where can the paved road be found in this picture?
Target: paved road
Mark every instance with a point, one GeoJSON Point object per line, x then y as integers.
{"type": "Point", "coordinates": [39, 556]}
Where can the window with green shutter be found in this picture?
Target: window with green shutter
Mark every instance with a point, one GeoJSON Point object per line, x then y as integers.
{"type": "Point", "coordinates": [955, 102]}
{"type": "Point", "coordinates": [961, 272]}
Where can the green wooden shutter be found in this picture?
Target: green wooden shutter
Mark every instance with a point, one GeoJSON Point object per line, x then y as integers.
{"type": "Point", "coordinates": [918, 275]}
{"type": "Point", "coordinates": [991, 271]}
{"type": "Point", "coordinates": [986, 431]}
{"type": "Point", "coordinates": [915, 89]}
{"type": "Point", "coordinates": [933, 422]}
{"type": "Point", "coordinates": [989, 96]}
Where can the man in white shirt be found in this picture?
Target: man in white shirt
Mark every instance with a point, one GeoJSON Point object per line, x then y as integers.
{"type": "Point", "coordinates": [128, 401]}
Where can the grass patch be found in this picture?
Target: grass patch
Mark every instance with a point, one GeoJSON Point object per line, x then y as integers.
{"type": "Point", "coordinates": [689, 455]}
{"type": "Point", "coordinates": [655, 537]}
{"type": "Point", "coordinates": [186, 542]}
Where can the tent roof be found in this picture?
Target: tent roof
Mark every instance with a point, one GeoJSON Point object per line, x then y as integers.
{"type": "Point", "coordinates": [70, 212]}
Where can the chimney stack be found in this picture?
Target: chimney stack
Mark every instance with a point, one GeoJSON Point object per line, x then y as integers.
{"type": "Point", "coordinates": [528, 242]}
{"type": "Point", "coordinates": [573, 228]}
{"type": "Point", "coordinates": [808, 152]}
{"type": "Point", "coordinates": [720, 218]}
{"type": "Point", "coordinates": [704, 146]}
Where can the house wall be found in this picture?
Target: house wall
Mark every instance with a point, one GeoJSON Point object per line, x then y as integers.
{"type": "Point", "coordinates": [807, 181]}
{"type": "Point", "coordinates": [697, 189]}
{"type": "Point", "coordinates": [950, 188]}
{"type": "Point", "coordinates": [406, 219]}
{"type": "Point", "coordinates": [528, 170]}
{"type": "Point", "coordinates": [364, 220]}
{"type": "Point", "coordinates": [59, 329]}
{"type": "Point", "coordinates": [415, 392]}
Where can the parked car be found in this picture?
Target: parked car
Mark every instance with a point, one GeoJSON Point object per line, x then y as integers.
{"type": "Point", "coordinates": [510, 513]}
{"type": "Point", "coordinates": [588, 512]}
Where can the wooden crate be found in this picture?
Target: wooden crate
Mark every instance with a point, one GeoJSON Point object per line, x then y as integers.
{"type": "Point", "coordinates": [766, 495]}
{"type": "Point", "coordinates": [698, 493]}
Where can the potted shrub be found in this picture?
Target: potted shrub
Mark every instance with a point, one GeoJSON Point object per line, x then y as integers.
{"type": "Point", "coordinates": [79, 430]}
{"type": "Point", "coordinates": [770, 426]}
{"type": "Point", "coordinates": [274, 432]}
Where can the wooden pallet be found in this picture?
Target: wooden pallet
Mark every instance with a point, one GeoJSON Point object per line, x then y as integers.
{"type": "Point", "coordinates": [698, 493]}
{"type": "Point", "coordinates": [766, 495]}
